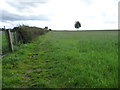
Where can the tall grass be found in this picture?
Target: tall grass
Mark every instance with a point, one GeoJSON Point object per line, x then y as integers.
{"type": "Point", "coordinates": [65, 60]}
{"type": "Point", "coordinates": [4, 44]}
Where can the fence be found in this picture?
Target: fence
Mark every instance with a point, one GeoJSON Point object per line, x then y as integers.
{"type": "Point", "coordinates": [21, 35]}
{"type": "Point", "coordinates": [11, 38]}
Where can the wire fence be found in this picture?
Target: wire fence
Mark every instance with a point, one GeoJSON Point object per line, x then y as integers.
{"type": "Point", "coordinates": [17, 36]}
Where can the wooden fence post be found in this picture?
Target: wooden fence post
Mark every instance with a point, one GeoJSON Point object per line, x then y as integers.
{"type": "Point", "coordinates": [9, 38]}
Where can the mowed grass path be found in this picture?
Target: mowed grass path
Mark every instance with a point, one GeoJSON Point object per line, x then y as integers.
{"type": "Point", "coordinates": [86, 59]}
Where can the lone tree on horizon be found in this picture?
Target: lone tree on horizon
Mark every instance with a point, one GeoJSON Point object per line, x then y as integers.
{"type": "Point", "coordinates": [77, 24]}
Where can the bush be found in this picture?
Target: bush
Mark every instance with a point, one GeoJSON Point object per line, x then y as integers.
{"type": "Point", "coordinates": [25, 33]}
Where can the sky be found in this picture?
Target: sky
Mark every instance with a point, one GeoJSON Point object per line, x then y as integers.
{"type": "Point", "coordinates": [60, 14]}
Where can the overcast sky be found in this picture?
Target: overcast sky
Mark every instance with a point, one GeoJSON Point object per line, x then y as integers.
{"type": "Point", "coordinates": [60, 14]}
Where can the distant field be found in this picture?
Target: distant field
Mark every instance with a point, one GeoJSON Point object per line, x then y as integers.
{"type": "Point", "coordinates": [87, 59]}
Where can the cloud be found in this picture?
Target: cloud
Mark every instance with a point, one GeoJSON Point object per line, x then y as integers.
{"type": "Point", "coordinates": [23, 5]}
{"type": "Point", "coordinates": [7, 16]}
{"type": "Point", "coordinates": [62, 14]}
{"type": "Point", "coordinates": [20, 6]}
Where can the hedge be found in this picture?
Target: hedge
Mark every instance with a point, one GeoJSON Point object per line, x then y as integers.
{"type": "Point", "coordinates": [25, 33]}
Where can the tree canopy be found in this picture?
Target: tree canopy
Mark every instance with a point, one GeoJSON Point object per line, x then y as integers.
{"type": "Point", "coordinates": [77, 24]}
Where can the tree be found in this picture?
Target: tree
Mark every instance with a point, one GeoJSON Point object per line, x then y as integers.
{"type": "Point", "coordinates": [46, 27]}
{"type": "Point", "coordinates": [77, 24]}
{"type": "Point", "coordinates": [50, 30]}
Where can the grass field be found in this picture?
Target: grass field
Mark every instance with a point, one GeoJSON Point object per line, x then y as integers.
{"type": "Point", "coordinates": [87, 59]}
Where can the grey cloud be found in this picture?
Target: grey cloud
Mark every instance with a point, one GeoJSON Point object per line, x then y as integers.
{"type": "Point", "coordinates": [23, 5]}
{"type": "Point", "coordinates": [7, 16]}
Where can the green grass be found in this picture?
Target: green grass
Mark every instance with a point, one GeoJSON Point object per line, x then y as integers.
{"type": "Point", "coordinates": [64, 60]}
{"type": "Point", "coordinates": [5, 48]}
{"type": "Point", "coordinates": [0, 41]}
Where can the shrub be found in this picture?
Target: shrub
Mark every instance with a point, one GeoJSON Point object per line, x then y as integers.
{"type": "Point", "coordinates": [25, 33]}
